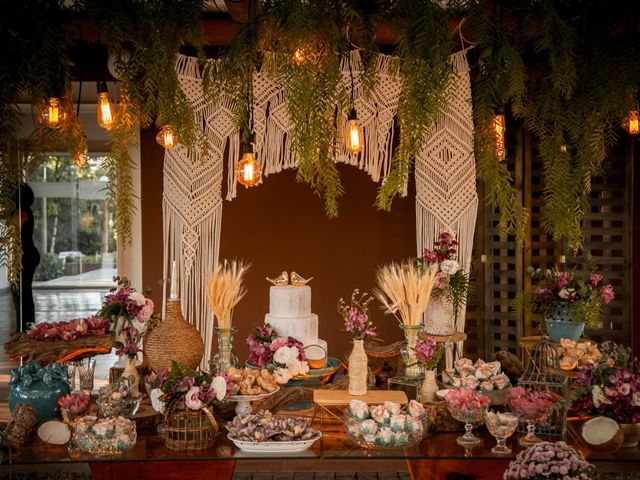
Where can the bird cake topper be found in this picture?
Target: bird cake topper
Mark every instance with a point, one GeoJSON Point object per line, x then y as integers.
{"type": "Point", "coordinates": [284, 278]}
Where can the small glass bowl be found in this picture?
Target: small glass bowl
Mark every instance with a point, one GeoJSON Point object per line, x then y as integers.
{"type": "Point", "coordinates": [125, 407]}
{"type": "Point", "coordinates": [107, 436]}
{"type": "Point", "coordinates": [367, 433]}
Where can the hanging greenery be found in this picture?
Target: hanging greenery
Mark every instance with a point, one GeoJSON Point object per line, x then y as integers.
{"type": "Point", "coordinates": [568, 70]}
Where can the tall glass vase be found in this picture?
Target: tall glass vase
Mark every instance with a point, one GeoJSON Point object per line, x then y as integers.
{"type": "Point", "coordinates": [225, 358]}
{"type": "Point", "coordinates": [411, 369]}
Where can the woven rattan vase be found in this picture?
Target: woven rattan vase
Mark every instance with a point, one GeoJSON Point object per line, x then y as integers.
{"type": "Point", "coordinates": [173, 339]}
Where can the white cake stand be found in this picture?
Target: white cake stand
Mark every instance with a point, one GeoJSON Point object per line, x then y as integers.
{"type": "Point", "coordinates": [244, 401]}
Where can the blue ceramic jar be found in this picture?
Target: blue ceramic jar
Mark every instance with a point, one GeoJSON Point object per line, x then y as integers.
{"type": "Point", "coordinates": [39, 387]}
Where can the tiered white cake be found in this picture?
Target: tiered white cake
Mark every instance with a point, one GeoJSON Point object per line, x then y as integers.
{"type": "Point", "coordinates": [290, 314]}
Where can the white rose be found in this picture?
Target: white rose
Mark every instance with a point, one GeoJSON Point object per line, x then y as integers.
{"type": "Point", "coordinates": [137, 298]}
{"type": "Point", "coordinates": [293, 353]}
{"type": "Point", "coordinates": [219, 386]}
{"type": "Point", "coordinates": [156, 403]}
{"type": "Point", "coordinates": [282, 355]}
{"type": "Point", "coordinates": [598, 396]}
{"type": "Point", "coordinates": [450, 267]}
{"type": "Point", "coordinates": [296, 367]}
{"type": "Point", "coordinates": [138, 325]}
{"type": "Point", "coordinates": [636, 400]}
{"type": "Point", "coordinates": [564, 293]}
{"type": "Point", "coordinates": [281, 376]}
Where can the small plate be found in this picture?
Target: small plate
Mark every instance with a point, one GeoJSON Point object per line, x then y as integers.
{"type": "Point", "coordinates": [275, 447]}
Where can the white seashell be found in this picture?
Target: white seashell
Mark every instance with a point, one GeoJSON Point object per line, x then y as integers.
{"type": "Point", "coordinates": [54, 432]}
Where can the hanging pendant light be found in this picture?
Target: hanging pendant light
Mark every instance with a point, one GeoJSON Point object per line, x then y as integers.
{"type": "Point", "coordinates": [167, 137]}
{"type": "Point", "coordinates": [631, 125]}
{"type": "Point", "coordinates": [104, 107]}
{"type": "Point", "coordinates": [248, 170]}
{"type": "Point", "coordinates": [52, 113]}
{"type": "Point", "coordinates": [499, 127]}
{"type": "Point", "coordinates": [353, 133]}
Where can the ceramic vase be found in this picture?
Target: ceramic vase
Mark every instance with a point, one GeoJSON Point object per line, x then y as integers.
{"type": "Point", "coordinates": [358, 369]}
{"type": "Point", "coordinates": [131, 374]}
{"type": "Point", "coordinates": [39, 387]}
{"type": "Point", "coordinates": [440, 317]}
{"type": "Point", "coordinates": [429, 387]}
{"type": "Point", "coordinates": [561, 324]}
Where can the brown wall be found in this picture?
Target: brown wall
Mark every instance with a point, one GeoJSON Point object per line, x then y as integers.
{"type": "Point", "coordinates": [281, 225]}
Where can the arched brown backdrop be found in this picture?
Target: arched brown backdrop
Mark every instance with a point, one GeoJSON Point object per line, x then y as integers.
{"type": "Point", "coordinates": [281, 225]}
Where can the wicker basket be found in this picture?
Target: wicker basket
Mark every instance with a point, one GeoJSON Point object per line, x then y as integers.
{"type": "Point", "coordinates": [173, 339]}
{"type": "Point", "coordinates": [189, 430]}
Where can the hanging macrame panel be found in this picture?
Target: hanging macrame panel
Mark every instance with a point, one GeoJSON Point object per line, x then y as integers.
{"type": "Point", "coordinates": [445, 173]}
{"type": "Point", "coordinates": [192, 201]}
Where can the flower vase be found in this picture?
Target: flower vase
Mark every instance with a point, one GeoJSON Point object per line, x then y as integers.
{"type": "Point", "coordinates": [429, 387]}
{"type": "Point", "coordinates": [412, 369]}
{"type": "Point", "coordinates": [131, 374]}
{"type": "Point", "coordinates": [39, 387]}
{"type": "Point", "coordinates": [440, 317]}
{"type": "Point", "coordinates": [358, 369]}
{"type": "Point", "coordinates": [225, 358]}
{"type": "Point", "coordinates": [561, 324]}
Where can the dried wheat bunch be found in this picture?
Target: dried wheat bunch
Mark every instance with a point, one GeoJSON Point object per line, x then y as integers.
{"type": "Point", "coordinates": [225, 290]}
{"type": "Point", "coordinates": [404, 290]}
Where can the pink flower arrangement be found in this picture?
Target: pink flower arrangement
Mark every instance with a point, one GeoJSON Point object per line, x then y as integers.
{"type": "Point", "coordinates": [450, 280]}
{"type": "Point", "coordinates": [264, 343]}
{"type": "Point", "coordinates": [76, 328]}
{"type": "Point", "coordinates": [130, 312]}
{"type": "Point", "coordinates": [194, 390]}
{"type": "Point", "coordinates": [356, 316]}
{"type": "Point", "coordinates": [610, 388]}
{"type": "Point", "coordinates": [465, 402]}
{"type": "Point", "coordinates": [155, 380]}
{"type": "Point", "coordinates": [428, 353]}
{"type": "Point", "coordinates": [74, 405]}
{"type": "Point", "coordinates": [555, 461]}
{"type": "Point", "coordinates": [557, 291]}
{"type": "Point", "coordinates": [530, 404]}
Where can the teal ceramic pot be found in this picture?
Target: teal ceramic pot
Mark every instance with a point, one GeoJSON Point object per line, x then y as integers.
{"type": "Point", "coordinates": [561, 324]}
{"type": "Point", "coordinates": [39, 387]}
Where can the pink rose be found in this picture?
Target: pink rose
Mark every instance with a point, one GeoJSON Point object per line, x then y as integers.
{"type": "Point", "coordinates": [146, 311]}
{"type": "Point", "coordinates": [607, 293]}
{"type": "Point", "coordinates": [595, 279]}
{"type": "Point", "coordinates": [192, 400]}
{"type": "Point", "coordinates": [624, 389]}
{"type": "Point", "coordinates": [430, 256]}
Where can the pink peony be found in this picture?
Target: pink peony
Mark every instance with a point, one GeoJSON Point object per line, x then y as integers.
{"type": "Point", "coordinates": [467, 402]}
{"type": "Point", "coordinates": [607, 293]}
{"type": "Point", "coordinates": [192, 399]}
{"type": "Point", "coordinates": [563, 279]}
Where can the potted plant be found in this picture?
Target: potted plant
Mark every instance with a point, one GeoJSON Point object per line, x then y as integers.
{"type": "Point", "coordinates": [358, 324]}
{"type": "Point", "coordinates": [567, 302]}
{"type": "Point", "coordinates": [450, 288]}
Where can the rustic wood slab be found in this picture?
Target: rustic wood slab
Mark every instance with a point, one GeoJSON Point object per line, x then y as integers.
{"type": "Point", "coordinates": [342, 397]}
{"type": "Point", "coordinates": [56, 351]}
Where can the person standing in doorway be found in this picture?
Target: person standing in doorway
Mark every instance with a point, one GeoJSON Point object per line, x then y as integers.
{"type": "Point", "coordinates": [23, 289]}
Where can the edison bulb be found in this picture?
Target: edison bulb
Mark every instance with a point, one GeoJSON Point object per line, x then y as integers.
{"type": "Point", "coordinates": [248, 170]}
{"type": "Point", "coordinates": [353, 134]}
{"type": "Point", "coordinates": [166, 137]}
{"type": "Point", "coordinates": [52, 113]}
{"type": "Point", "coordinates": [104, 107]}
{"type": "Point", "coordinates": [499, 129]}
{"type": "Point", "coordinates": [632, 125]}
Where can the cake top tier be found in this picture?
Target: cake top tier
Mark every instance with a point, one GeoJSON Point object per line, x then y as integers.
{"type": "Point", "coordinates": [290, 301]}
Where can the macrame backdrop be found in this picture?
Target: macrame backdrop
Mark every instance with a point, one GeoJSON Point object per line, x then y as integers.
{"type": "Point", "coordinates": [446, 196]}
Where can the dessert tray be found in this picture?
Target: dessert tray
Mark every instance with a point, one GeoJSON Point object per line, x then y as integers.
{"type": "Point", "coordinates": [276, 446]}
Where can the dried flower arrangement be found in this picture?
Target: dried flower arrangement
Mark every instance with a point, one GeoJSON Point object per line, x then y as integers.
{"type": "Point", "coordinates": [225, 290]}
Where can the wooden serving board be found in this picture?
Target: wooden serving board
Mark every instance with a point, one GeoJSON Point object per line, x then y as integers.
{"type": "Point", "coordinates": [372, 397]}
